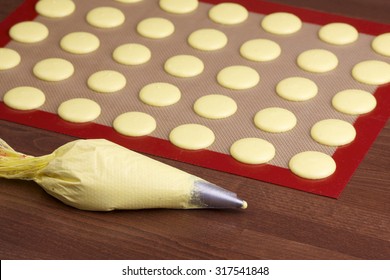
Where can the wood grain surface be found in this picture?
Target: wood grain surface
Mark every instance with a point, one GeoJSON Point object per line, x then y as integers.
{"type": "Point", "coordinates": [280, 223]}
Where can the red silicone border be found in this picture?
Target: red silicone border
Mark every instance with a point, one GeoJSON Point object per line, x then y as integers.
{"type": "Point", "coordinates": [347, 158]}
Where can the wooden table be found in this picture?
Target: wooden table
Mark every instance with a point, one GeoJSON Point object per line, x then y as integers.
{"type": "Point", "coordinates": [280, 223]}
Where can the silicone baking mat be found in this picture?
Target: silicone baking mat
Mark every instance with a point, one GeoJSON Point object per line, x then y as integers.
{"type": "Point", "coordinates": [228, 130]}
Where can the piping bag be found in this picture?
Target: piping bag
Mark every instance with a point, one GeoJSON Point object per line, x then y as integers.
{"type": "Point", "coordinates": [99, 175]}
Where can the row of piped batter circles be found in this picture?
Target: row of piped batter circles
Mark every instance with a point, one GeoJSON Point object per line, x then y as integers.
{"type": "Point", "coordinates": [192, 136]}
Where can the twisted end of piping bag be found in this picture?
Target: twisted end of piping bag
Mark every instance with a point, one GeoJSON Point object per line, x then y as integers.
{"type": "Point", "coordinates": [208, 195]}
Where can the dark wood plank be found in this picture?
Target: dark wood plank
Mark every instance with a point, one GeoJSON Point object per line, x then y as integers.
{"type": "Point", "coordinates": [280, 223]}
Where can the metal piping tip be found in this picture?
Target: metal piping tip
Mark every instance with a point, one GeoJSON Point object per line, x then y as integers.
{"type": "Point", "coordinates": [208, 195]}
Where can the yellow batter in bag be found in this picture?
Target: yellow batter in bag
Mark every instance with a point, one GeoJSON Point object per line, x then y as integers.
{"type": "Point", "coordinates": [100, 175]}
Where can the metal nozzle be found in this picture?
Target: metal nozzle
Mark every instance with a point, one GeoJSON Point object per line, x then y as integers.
{"type": "Point", "coordinates": [208, 195]}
